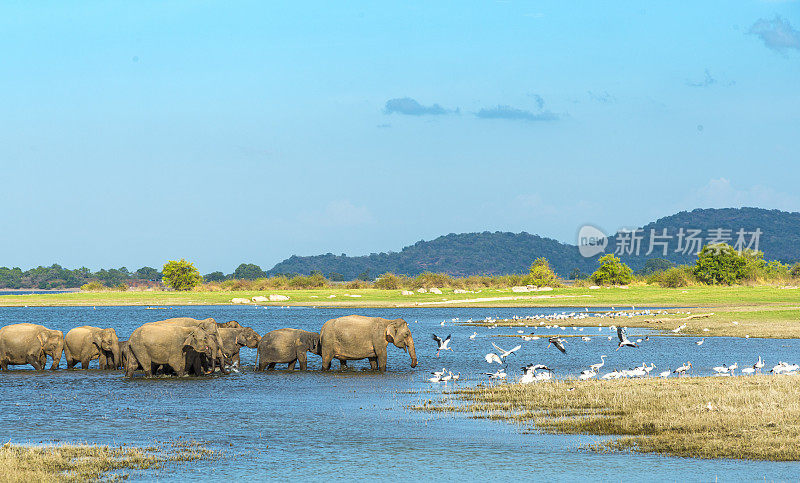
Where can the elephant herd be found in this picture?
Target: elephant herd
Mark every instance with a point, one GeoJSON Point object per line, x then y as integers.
{"type": "Point", "coordinates": [186, 346]}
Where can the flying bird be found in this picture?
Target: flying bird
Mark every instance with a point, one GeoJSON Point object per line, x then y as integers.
{"type": "Point", "coordinates": [558, 342]}
{"type": "Point", "coordinates": [492, 357]}
{"type": "Point", "coordinates": [444, 345]}
{"type": "Point", "coordinates": [623, 339]}
{"type": "Point", "coordinates": [505, 353]}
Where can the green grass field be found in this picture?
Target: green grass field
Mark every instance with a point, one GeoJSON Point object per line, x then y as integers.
{"type": "Point", "coordinates": [737, 311]}
{"type": "Point", "coordinates": [561, 297]}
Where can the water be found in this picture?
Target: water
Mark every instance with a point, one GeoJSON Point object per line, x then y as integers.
{"type": "Point", "coordinates": [33, 292]}
{"type": "Point", "coordinates": [354, 424]}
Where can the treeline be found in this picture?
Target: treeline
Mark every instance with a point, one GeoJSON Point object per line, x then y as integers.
{"type": "Point", "coordinates": [57, 277]}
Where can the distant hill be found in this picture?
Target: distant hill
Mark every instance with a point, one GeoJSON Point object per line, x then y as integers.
{"type": "Point", "coordinates": [504, 253]}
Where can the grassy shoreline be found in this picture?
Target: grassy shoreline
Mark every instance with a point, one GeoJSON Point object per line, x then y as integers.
{"type": "Point", "coordinates": [754, 417]}
{"type": "Point", "coordinates": [82, 462]}
{"type": "Point", "coordinates": [760, 311]}
{"type": "Point", "coordinates": [706, 296]}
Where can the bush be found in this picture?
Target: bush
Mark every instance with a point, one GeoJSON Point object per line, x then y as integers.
{"type": "Point", "coordinates": [388, 281]}
{"type": "Point", "coordinates": [542, 275]}
{"type": "Point", "coordinates": [795, 270]}
{"type": "Point", "coordinates": [315, 280]}
{"type": "Point", "coordinates": [181, 275]}
{"type": "Point", "coordinates": [672, 278]}
{"type": "Point", "coordinates": [721, 264]}
{"type": "Point", "coordinates": [93, 286]}
{"type": "Point", "coordinates": [612, 272]}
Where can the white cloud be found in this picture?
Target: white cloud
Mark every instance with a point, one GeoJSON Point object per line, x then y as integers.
{"type": "Point", "coordinates": [721, 193]}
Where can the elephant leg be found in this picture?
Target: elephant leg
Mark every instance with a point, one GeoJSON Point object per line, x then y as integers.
{"type": "Point", "coordinates": [101, 360]}
{"type": "Point", "coordinates": [271, 366]}
{"type": "Point", "coordinates": [382, 362]}
{"type": "Point", "coordinates": [342, 364]}
{"type": "Point", "coordinates": [71, 362]}
{"type": "Point", "coordinates": [178, 365]}
{"type": "Point", "coordinates": [34, 361]}
{"type": "Point", "coordinates": [303, 360]}
{"type": "Point", "coordinates": [373, 363]}
{"type": "Point", "coordinates": [291, 365]}
{"type": "Point", "coordinates": [85, 363]}
{"type": "Point", "coordinates": [327, 357]}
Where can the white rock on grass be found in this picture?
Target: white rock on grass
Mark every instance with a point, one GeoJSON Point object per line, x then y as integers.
{"type": "Point", "coordinates": [239, 300]}
{"type": "Point", "coordinates": [519, 289]}
{"type": "Point", "coordinates": [459, 290]}
{"type": "Point", "coordinates": [436, 291]}
{"type": "Point", "coordinates": [594, 287]}
{"type": "Point", "coordinates": [259, 299]}
{"type": "Point", "coordinates": [277, 298]}
{"type": "Point", "coordinates": [422, 290]}
{"type": "Point", "coordinates": [406, 292]}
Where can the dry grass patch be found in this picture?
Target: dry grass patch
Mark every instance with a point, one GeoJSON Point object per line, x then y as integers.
{"type": "Point", "coordinates": [82, 462]}
{"type": "Point", "coordinates": [754, 417]}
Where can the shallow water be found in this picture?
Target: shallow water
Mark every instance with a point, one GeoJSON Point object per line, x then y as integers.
{"type": "Point", "coordinates": [354, 424]}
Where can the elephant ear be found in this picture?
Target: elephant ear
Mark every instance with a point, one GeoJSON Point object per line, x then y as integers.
{"type": "Point", "coordinates": [42, 338]}
{"type": "Point", "coordinates": [97, 339]}
{"type": "Point", "coordinates": [391, 333]}
{"type": "Point", "coordinates": [193, 341]}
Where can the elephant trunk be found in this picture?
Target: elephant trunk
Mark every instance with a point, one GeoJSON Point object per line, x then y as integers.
{"type": "Point", "coordinates": [115, 352]}
{"type": "Point", "coordinates": [57, 356]}
{"type": "Point", "coordinates": [411, 352]}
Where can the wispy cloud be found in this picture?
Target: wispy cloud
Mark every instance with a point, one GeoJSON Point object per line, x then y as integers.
{"type": "Point", "coordinates": [514, 114]}
{"type": "Point", "coordinates": [410, 107]}
{"type": "Point", "coordinates": [707, 81]}
{"type": "Point", "coordinates": [721, 193]}
{"type": "Point", "coordinates": [777, 34]}
{"type": "Point", "coordinates": [603, 97]}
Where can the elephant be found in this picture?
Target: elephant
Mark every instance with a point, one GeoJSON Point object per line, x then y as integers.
{"type": "Point", "coordinates": [287, 346]}
{"type": "Point", "coordinates": [177, 347]}
{"type": "Point", "coordinates": [210, 326]}
{"type": "Point", "coordinates": [84, 344]}
{"type": "Point", "coordinates": [123, 346]}
{"type": "Point", "coordinates": [234, 339]}
{"type": "Point", "coordinates": [357, 337]}
{"type": "Point", "coordinates": [30, 344]}
{"type": "Point", "coordinates": [231, 324]}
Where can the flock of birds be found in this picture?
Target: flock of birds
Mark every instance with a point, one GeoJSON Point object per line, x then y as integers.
{"type": "Point", "coordinates": [532, 373]}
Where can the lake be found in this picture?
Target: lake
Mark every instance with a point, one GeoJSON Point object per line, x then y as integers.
{"type": "Point", "coordinates": [354, 424]}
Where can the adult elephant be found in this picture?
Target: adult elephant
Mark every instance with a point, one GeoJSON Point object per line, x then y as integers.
{"type": "Point", "coordinates": [180, 348]}
{"type": "Point", "coordinates": [233, 339]}
{"type": "Point", "coordinates": [287, 346]}
{"type": "Point", "coordinates": [84, 344]}
{"type": "Point", "coordinates": [211, 327]}
{"type": "Point", "coordinates": [357, 337]}
{"type": "Point", "coordinates": [30, 344]}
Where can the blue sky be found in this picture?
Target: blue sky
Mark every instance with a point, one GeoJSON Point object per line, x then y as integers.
{"type": "Point", "coordinates": [228, 132]}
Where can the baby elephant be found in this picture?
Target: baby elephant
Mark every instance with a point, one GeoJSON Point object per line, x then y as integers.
{"type": "Point", "coordinates": [287, 346]}
{"type": "Point", "coordinates": [84, 344]}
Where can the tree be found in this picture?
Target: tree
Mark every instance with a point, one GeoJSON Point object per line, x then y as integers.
{"type": "Point", "coordinates": [248, 271]}
{"type": "Point", "coordinates": [721, 264]}
{"type": "Point", "coordinates": [612, 272]}
{"type": "Point", "coordinates": [148, 273]}
{"type": "Point", "coordinates": [576, 274]}
{"type": "Point", "coordinates": [215, 277]}
{"type": "Point", "coordinates": [653, 265]}
{"type": "Point", "coordinates": [541, 274]}
{"type": "Point", "coordinates": [795, 271]}
{"type": "Point", "coordinates": [181, 275]}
